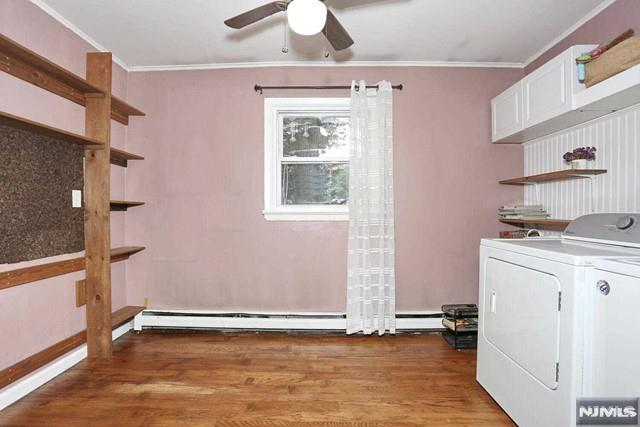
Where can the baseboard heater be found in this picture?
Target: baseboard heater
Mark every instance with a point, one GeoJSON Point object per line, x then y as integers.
{"type": "Point", "coordinates": [168, 319]}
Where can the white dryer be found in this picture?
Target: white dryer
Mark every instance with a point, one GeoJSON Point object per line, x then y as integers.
{"type": "Point", "coordinates": [536, 348]}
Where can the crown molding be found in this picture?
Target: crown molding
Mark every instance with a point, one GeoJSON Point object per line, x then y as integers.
{"type": "Point", "coordinates": [232, 65]}
{"type": "Point", "coordinates": [221, 66]}
{"type": "Point", "coordinates": [84, 36]}
{"type": "Point", "coordinates": [589, 16]}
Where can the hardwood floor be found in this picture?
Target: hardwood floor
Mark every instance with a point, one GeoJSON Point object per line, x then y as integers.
{"type": "Point", "coordinates": [160, 378]}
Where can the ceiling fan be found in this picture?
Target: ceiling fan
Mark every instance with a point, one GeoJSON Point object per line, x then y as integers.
{"type": "Point", "coordinates": [306, 17]}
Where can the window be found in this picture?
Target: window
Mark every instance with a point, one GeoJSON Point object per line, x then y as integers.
{"type": "Point", "coordinates": [306, 159]}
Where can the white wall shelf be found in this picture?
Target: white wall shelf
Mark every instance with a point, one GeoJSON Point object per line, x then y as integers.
{"type": "Point", "coordinates": [615, 93]}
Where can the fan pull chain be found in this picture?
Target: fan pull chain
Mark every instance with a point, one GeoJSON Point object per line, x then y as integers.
{"type": "Point", "coordinates": [285, 49]}
{"type": "Point", "coordinates": [325, 49]}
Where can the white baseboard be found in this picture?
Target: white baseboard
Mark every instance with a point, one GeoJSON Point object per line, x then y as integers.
{"type": "Point", "coordinates": [272, 321]}
{"type": "Point", "coordinates": [417, 323]}
{"type": "Point", "coordinates": [17, 390]}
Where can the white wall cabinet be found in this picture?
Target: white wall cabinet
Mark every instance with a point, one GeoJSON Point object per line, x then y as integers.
{"type": "Point", "coordinates": [546, 91]}
{"type": "Point", "coordinates": [535, 105]}
{"type": "Point", "coordinates": [506, 113]}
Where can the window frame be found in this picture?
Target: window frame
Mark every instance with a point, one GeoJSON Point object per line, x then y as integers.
{"type": "Point", "coordinates": [274, 109]}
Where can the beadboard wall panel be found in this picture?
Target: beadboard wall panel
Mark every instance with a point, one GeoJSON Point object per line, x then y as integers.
{"type": "Point", "coordinates": [616, 137]}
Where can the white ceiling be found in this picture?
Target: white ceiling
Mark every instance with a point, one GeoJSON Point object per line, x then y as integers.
{"type": "Point", "coordinates": [170, 33]}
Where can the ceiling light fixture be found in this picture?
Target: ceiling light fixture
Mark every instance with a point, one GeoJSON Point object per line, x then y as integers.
{"type": "Point", "coordinates": [307, 17]}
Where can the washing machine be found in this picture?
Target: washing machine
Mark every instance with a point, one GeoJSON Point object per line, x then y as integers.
{"type": "Point", "coordinates": [613, 350]}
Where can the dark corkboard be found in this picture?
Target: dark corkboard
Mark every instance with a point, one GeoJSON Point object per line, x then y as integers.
{"type": "Point", "coordinates": [37, 174]}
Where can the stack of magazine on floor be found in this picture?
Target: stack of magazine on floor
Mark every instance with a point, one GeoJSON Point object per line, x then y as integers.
{"type": "Point", "coordinates": [534, 212]}
{"type": "Point", "coordinates": [461, 323]}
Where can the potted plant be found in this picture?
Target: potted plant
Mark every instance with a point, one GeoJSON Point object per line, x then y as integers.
{"type": "Point", "coordinates": [580, 157]}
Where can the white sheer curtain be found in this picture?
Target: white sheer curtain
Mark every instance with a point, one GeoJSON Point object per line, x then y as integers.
{"type": "Point", "coordinates": [371, 270]}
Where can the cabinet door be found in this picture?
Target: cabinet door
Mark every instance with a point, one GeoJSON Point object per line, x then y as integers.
{"type": "Point", "coordinates": [547, 91]}
{"type": "Point", "coordinates": [506, 113]}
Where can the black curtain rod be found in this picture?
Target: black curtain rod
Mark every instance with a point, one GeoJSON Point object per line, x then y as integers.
{"type": "Point", "coordinates": [259, 88]}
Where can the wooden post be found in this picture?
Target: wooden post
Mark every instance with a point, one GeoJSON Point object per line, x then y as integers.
{"type": "Point", "coordinates": [96, 196]}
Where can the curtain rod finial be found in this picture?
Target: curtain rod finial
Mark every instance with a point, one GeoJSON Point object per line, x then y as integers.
{"type": "Point", "coordinates": [258, 88]}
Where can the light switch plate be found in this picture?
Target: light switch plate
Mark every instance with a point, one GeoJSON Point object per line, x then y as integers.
{"type": "Point", "coordinates": [76, 198]}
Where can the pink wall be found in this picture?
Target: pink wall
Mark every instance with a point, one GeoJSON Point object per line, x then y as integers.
{"type": "Point", "coordinates": [604, 27]}
{"type": "Point", "coordinates": [209, 246]}
{"type": "Point", "coordinates": [39, 314]}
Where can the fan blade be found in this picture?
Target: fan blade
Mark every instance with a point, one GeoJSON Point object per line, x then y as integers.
{"type": "Point", "coordinates": [335, 33]}
{"type": "Point", "coordinates": [256, 14]}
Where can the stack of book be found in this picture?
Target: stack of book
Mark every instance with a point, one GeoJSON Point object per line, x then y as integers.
{"type": "Point", "coordinates": [535, 212]}
{"type": "Point", "coordinates": [513, 234]}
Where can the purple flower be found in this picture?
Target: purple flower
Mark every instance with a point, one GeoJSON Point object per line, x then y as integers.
{"type": "Point", "coordinates": [580, 153]}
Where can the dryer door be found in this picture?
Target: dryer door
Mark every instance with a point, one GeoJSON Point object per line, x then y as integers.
{"type": "Point", "coordinates": [522, 318]}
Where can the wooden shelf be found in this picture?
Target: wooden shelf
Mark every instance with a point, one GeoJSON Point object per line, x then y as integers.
{"type": "Point", "coordinates": [27, 65]}
{"type": "Point", "coordinates": [123, 205]}
{"type": "Point", "coordinates": [42, 129]}
{"type": "Point", "coordinates": [34, 273]}
{"type": "Point", "coordinates": [547, 224]}
{"type": "Point", "coordinates": [121, 157]}
{"type": "Point", "coordinates": [124, 252]}
{"type": "Point", "coordinates": [121, 111]}
{"type": "Point", "coordinates": [32, 363]}
{"type": "Point", "coordinates": [101, 107]}
{"type": "Point", "coordinates": [125, 314]}
{"type": "Point", "coordinates": [554, 176]}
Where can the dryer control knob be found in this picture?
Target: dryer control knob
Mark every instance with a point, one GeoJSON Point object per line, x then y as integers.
{"type": "Point", "coordinates": [604, 287]}
{"type": "Point", "coordinates": [625, 222]}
